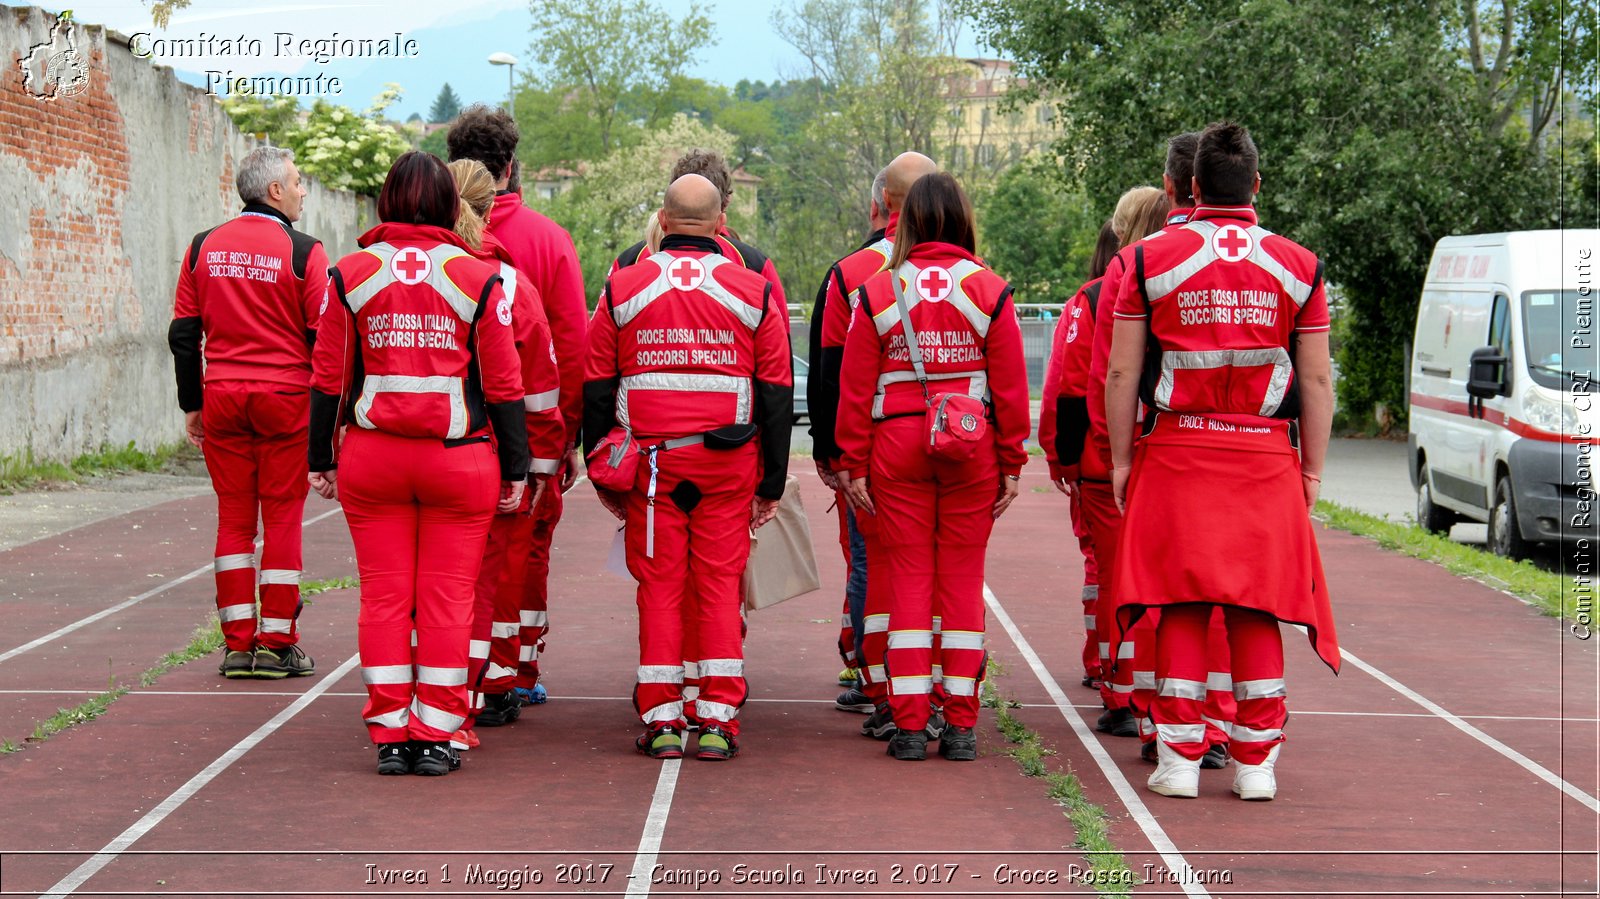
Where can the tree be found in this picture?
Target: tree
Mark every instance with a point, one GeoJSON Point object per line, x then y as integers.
{"type": "Point", "coordinates": [446, 106]}
{"type": "Point", "coordinates": [1378, 136]}
{"type": "Point", "coordinates": [599, 54]}
{"type": "Point", "coordinates": [414, 117]}
{"type": "Point", "coordinates": [1037, 233]}
{"type": "Point", "coordinates": [341, 148]}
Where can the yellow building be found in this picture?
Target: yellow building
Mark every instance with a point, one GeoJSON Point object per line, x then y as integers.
{"type": "Point", "coordinates": [984, 137]}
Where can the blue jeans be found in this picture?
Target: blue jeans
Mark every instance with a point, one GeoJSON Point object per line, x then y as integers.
{"type": "Point", "coordinates": [855, 588]}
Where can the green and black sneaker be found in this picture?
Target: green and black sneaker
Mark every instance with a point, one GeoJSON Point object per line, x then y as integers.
{"type": "Point", "coordinates": [237, 663]}
{"type": "Point", "coordinates": [661, 741]}
{"type": "Point", "coordinates": [284, 662]}
{"type": "Point", "coordinates": [716, 744]}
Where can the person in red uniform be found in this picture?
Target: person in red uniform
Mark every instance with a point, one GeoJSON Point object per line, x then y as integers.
{"type": "Point", "coordinates": [1064, 427]}
{"type": "Point", "coordinates": [830, 325]}
{"type": "Point", "coordinates": [543, 251]}
{"type": "Point", "coordinates": [249, 290]}
{"type": "Point", "coordinates": [496, 630]}
{"type": "Point", "coordinates": [934, 515]}
{"type": "Point", "coordinates": [710, 165]}
{"type": "Point", "coordinates": [1222, 330]}
{"type": "Point", "coordinates": [418, 359]}
{"type": "Point", "coordinates": [689, 354]}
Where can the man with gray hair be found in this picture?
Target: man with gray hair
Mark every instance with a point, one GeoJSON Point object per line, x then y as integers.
{"type": "Point", "coordinates": [250, 292]}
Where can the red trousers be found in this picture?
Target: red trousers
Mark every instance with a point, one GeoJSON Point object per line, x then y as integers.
{"type": "Point", "coordinates": [496, 609]}
{"type": "Point", "coordinates": [875, 615]}
{"type": "Point", "coordinates": [934, 519]}
{"type": "Point", "coordinates": [1136, 652]}
{"type": "Point", "coordinates": [533, 616]}
{"type": "Point", "coordinates": [1186, 683]}
{"type": "Point", "coordinates": [1091, 588]}
{"type": "Point", "coordinates": [688, 558]}
{"type": "Point", "coordinates": [255, 450]}
{"type": "Point", "coordinates": [419, 515]}
{"type": "Point", "coordinates": [1219, 703]}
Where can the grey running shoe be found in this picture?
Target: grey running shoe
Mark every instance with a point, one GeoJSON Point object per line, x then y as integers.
{"type": "Point", "coordinates": [880, 726]}
{"type": "Point", "coordinates": [853, 700]}
{"type": "Point", "coordinates": [285, 662]}
{"type": "Point", "coordinates": [935, 726]}
{"type": "Point", "coordinates": [1215, 757]}
{"type": "Point", "coordinates": [237, 663]}
{"type": "Point", "coordinates": [909, 746]}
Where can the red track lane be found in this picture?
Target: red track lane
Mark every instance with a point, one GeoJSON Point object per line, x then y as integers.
{"type": "Point", "coordinates": [565, 779]}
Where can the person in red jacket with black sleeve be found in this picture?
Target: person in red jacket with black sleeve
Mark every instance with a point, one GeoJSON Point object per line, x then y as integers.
{"type": "Point", "coordinates": [689, 371]}
{"type": "Point", "coordinates": [1222, 331]}
{"type": "Point", "coordinates": [542, 250]}
{"type": "Point", "coordinates": [418, 358]}
{"type": "Point", "coordinates": [249, 290]}
{"type": "Point", "coordinates": [934, 512]}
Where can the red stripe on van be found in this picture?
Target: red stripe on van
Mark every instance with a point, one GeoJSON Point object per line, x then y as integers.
{"type": "Point", "coordinates": [1515, 426]}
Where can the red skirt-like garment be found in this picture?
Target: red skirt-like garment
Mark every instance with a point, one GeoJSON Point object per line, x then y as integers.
{"type": "Point", "coordinates": [1216, 513]}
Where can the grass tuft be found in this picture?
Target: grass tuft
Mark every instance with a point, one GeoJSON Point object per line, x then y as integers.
{"type": "Point", "coordinates": [312, 588]}
{"type": "Point", "coordinates": [1089, 821]}
{"type": "Point", "coordinates": [23, 471]}
{"type": "Point", "coordinates": [1547, 591]}
{"type": "Point", "coordinates": [206, 639]}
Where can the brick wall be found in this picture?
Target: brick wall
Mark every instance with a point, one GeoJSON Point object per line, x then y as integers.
{"type": "Point", "coordinates": [99, 194]}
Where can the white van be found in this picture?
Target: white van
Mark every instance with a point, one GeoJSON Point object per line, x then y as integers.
{"type": "Point", "coordinates": [1501, 381]}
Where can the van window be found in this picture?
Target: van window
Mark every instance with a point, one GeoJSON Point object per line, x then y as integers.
{"type": "Point", "coordinates": [1499, 323]}
{"type": "Point", "coordinates": [1548, 317]}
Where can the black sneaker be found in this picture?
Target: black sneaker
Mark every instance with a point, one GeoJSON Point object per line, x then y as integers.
{"type": "Point", "coordinates": [499, 709]}
{"type": "Point", "coordinates": [1215, 757]}
{"type": "Point", "coordinates": [1118, 723]}
{"type": "Point", "coordinates": [286, 661]}
{"type": "Point", "coordinates": [394, 758]}
{"type": "Point", "coordinates": [909, 746]}
{"type": "Point", "coordinates": [880, 726]}
{"type": "Point", "coordinates": [716, 744]}
{"type": "Point", "coordinates": [1091, 681]}
{"type": "Point", "coordinates": [661, 741]}
{"type": "Point", "coordinates": [853, 700]}
{"type": "Point", "coordinates": [1149, 753]}
{"type": "Point", "coordinates": [434, 759]}
{"type": "Point", "coordinates": [958, 744]}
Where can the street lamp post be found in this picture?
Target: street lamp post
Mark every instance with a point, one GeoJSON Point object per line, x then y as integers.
{"type": "Point", "coordinates": [510, 62]}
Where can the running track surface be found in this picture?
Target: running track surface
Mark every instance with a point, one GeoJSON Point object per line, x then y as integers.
{"type": "Point", "coordinates": [1455, 756]}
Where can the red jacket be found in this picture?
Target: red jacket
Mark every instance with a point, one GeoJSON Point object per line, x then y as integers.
{"type": "Point", "coordinates": [737, 250]}
{"type": "Point", "coordinates": [1063, 412]}
{"type": "Point", "coordinates": [971, 344]}
{"type": "Point", "coordinates": [1100, 363]}
{"type": "Point", "coordinates": [543, 251]}
{"type": "Point", "coordinates": [417, 341]}
{"type": "Point", "coordinates": [1224, 298]}
{"type": "Point", "coordinates": [541, 375]}
{"type": "Point", "coordinates": [688, 341]}
{"type": "Point", "coordinates": [251, 287]}
{"type": "Point", "coordinates": [830, 324]}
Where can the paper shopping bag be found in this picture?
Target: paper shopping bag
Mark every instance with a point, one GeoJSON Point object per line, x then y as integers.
{"type": "Point", "coordinates": [782, 564]}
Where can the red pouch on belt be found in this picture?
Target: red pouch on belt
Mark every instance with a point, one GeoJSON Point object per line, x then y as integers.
{"type": "Point", "coordinates": [614, 463]}
{"type": "Point", "coordinates": [957, 423]}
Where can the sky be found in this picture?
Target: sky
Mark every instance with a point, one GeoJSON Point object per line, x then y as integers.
{"type": "Point", "coordinates": [453, 42]}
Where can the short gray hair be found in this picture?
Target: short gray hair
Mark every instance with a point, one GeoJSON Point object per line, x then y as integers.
{"type": "Point", "coordinates": [878, 185]}
{"type": "Point", "coordinates": [259, 169]}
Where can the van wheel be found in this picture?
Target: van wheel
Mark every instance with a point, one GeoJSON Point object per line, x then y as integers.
{"type": "Point", "coordinates": [1505, 535]}
{"type": "Point", "coordinates": [1431, 518]}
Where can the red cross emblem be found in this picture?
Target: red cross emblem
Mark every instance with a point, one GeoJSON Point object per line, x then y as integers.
{"type": "Point", "coordinates": [686, 274]}
{"type": "Point", "coordinates": [1232, 243]}
{"type": "Point", "coordinates": [411, 266]}
{"type": "Point", "coordinates": [934, 284]}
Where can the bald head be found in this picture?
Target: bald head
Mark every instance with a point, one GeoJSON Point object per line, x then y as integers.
{"type": "Point", "coordinates": [693, 206]}
{"type": "Point", "coordinates": [901, 174]}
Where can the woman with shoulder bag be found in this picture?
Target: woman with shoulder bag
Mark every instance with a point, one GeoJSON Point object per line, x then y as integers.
{"type": "Point", "coordinates": [933, 414]}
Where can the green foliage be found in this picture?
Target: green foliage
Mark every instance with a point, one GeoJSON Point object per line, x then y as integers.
{"type": "Point", "coordinates": [341, 148]}
{"type": "Point", "coordinates": [437, 144]}
{"type": "Point", "coordinates": [1376, 137]}
{"type": "Point", "coordinates": [445, 107]}
{"type": "Point", "coordinates": [604, 57]}
{"type": "Point", "coordinates": [23, 471]}
{"type": "Point", "coordinates": [1037, 233]}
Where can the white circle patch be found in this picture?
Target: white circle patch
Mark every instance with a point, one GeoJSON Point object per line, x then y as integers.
{"type": "Point", "coordinates": [685, 273]}
{"type": "Point", "coordinates": [502, 311]}
{"type": "Point", "coordinates": [1232, 243]}
{"type": "Point", "coordinates": [410, 266]}
{"type": "Point", "coordinates": [935, 283]}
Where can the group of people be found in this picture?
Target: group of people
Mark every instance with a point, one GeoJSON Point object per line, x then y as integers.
{"type": "Point", "coordinates": [440, 381]}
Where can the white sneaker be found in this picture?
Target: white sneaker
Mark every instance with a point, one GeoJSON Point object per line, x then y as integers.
{"type": "Point", "coordinates": [1257, 782]}
{"type": "Point", "coordinates": [1174, 775]}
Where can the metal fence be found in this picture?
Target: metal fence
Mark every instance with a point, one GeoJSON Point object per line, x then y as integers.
{"type": "Point", "coordinates": [1038, 321]}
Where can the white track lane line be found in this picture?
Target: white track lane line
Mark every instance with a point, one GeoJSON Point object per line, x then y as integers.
{"type": "Point", "coordinates": [183, 794]}
{"type": "Point", "coordinates": [655, 825]}
{"type": "Point", "coordinates": [1176, 864]}
{"type": "Point", "coordinates": [1534, 768]}
{"type": "Point", "coordinates": [103, 613]}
